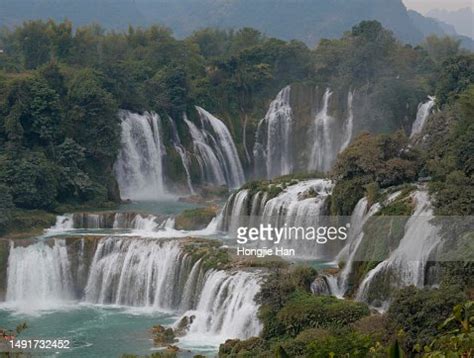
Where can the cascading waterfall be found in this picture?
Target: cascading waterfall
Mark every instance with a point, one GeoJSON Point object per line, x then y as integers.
{"type": "Point", "coordinates": [278, 134]}
{"type": "Point", "coordinates": [273, 147]}
{"type": "Point", "coordinates": [322, 153]}
{"type": "Point", "coordinates": [106, 220]}
{"type": "Point", "coordinates": [38, 276]}
{"type": "Point", "coordinates": [63, 223]}
{"type": "Point", "coordinates": [139, 164]}
{"type": "Point", "coordinates": [298, 205]}
{"type": "Point", "coordinates": [234, 211]}
{"type": "Point", "coordinates": [224, 148]}
{"type": "Point", "coordinates": [182, 154]}
{"type": "Point", "coordinates": [142, 273]}
{"type": "Point", "coordinates": [406, 265]}
{"type": "Point", "coordinates": [211, 169]}
{"type": "Point", "coordinates": [424, 111]}
{"type": "Point", "coordinates": [145, 273]}
{"type": "Point", "coordinates": [359, 217]}
{"type": "Point", "coordinates": [226, 306]}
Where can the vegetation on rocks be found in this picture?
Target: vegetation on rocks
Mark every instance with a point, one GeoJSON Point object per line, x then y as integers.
{"type": "Point", "coordinates": [195, 219]}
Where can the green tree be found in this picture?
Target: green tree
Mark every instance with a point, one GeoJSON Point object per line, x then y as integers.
{"type": "Point", "coordinates": [35, 43]}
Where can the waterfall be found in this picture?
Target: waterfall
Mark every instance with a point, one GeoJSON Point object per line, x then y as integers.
{"type": "Point", "coordinates": [38, 276]}
{"type": "Point", "coordinates": [185, 160]}
{"type": "Point", "coordinates": [406, 265]}
{"type": "Point", "coordinates": [224, 147]}
{"type": "Point", "coordinates": [300, 204]}
{"type": "Point", "coordinates": [359, 217]}
{"type": "Point", "coordinates": [182, 154]}
{"type": "Point", "coordinates": [349, 124]}
{"type": "Point", "coordinates": [292, 208]}
{"type": "Point", "coordinates": [139, 164]}
{"type": "Point", "coordinates": [273, 145]}
{"type": "Point", "coordinates": [211, 168]}
{"type": "Point", "coordinates": [157, 275]}
{"type": "Point", "coordinates": [226, 307]}
{"type": "Point", "coordinates": [424, 110]}
{"type": "Point", "coordinates": [106, 220]}
{"type": "Point", "coordinates": [234, 212]}
{"type": "Point", "coordinates": [137, 273]}
{"type": "Point", "coordinates": [63, 223]}
{"type": "Point", "coordinates": [322, 153]}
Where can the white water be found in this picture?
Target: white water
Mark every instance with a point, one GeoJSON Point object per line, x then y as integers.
{"type": "Point", "coordinates": [63, 223]}
{"type": "Point", "coordinates": [407, 263]}
{"type": "Point", "coordinates": [290, 208]}
{"type": "Point", "coordinates": [185, 160]}
{"type": "Point", "coordinates": [322, 153]}
{"type": "Point", "coordinates": [142, 273]}
{"type": "Point", "coordinates": [182, 154]}
{"type": "Point", "coordinates": [105, 220]}
{"type": "Point", "coordinates": [424, 110]}
{"type": "Point", "coordinates": [211, 169]}
{"type": "Point", "coordinates": [359, 217]}
{"type": "Point", "coordinates": [139, 164]}
{"type": "Point", "coordinates": [224, 147]}
{"type": "Point", "coordinates": [298, 205]}
{"type": "Point", "coordinates": [276, 150]}
{"type": "Point", "coordinates": [349, 124]}
{"type": "Point", "coordinates": [38, 277]}
{"type": "Point", "coordinates": [234, 212]}
{"type": "Point", "coordinates": [226, 307]}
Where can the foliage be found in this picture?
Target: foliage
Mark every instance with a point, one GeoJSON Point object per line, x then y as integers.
{"type": "Point", "coordinates": [419, 312]}
{"type": "Point", "coordinates": [450, 159]}
{"type": "Point", "coordinates": [456, 74]}
{"type": "Point", "coordinates": [195, 219]}
{"type": "Point", "coordinates": [381, 160]}
{"type": "Point", "coordinates": [458, 342]}
{"type": "Point", "coordinates": [307, 311]}
{"type": "Point", "coordinates": [209, 252]}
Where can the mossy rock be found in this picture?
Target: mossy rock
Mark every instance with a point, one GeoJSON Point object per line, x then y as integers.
{"type": "Point", "coordinates": [195, 219]}
{"type": "Point", "coordinates": [163, 337]}
{"type": "Point", "coordinates": [26, 223]}
{"type": "Point", "coordinates": [211, 253]}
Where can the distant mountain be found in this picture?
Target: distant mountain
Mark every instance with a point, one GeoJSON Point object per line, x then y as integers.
{"type": "Point", "coordinates": [306, 20]}
{"type": "Point", "coordinates": [462, 20]}
{"type": "Point", "coordinates": [430, 26]}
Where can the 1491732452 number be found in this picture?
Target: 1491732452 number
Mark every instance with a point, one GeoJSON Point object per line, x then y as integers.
{"type": "Point", "coordinates": [46, 344]}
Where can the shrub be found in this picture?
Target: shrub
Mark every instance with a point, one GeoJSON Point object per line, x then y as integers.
{"type": "Point", "coordinates": [418, 312]}
{"type": "Point", "coordinates": [308, 311]}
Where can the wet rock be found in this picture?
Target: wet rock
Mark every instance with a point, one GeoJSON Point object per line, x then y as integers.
{"type": "Point", "coordinates": [163, 337]}
{"type": "Point", "coordinates": [320, 286]}
{"type": "Point", "coordinates": [183, 325]}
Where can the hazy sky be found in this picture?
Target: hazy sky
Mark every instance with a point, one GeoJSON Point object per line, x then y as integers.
{"type": "Point", "coordinates": [424, 6]}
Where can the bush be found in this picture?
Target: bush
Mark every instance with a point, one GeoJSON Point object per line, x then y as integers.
{"type": "Point", "coordinates": [195, 219]}
{"type": "Point", "coordinates": [308, 311]}
{"type": "Point", "coordinates": [419, 312]}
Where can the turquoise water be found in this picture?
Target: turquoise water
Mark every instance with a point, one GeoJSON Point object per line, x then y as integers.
{"type": "Point", "coordinates": [94, 331]}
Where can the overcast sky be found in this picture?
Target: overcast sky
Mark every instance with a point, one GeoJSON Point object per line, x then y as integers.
{"type": "Point", "coordinates": [424, 6]}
